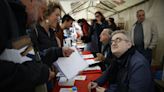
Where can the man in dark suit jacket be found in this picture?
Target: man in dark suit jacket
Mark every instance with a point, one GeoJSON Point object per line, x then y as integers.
{"type": "Point", "coordinates": [103, 57]}
{"type": "Point", "coordinates": [129, 70]}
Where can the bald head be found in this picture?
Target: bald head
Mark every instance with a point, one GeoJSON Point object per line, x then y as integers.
{"type": "Point", "coordinates": [105, 35]}
{"type": "Point", "coordinates": [107, 31]}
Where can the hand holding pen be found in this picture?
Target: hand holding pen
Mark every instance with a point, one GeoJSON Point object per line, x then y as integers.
{"type": "Point", "coordinates": [92, 85]}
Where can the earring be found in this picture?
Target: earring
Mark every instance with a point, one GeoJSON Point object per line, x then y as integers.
{"type": "Point", "coordinates": [59, 19]}
{"type": "Point", "coordinates": [47, 21]}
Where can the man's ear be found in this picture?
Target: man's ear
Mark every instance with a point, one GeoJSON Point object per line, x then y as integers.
{"type": "Point", "coordinates": [129, 44]}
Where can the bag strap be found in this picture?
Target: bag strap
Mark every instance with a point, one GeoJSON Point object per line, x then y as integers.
{"type": "Point", "coordinates": [34, 37]}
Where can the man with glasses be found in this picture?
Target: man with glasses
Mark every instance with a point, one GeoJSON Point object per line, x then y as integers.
{"type": "Point", "coordinates": [129, 70]}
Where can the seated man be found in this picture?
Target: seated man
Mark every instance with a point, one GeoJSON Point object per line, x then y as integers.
{"type": "Point", "coordinates": [129, 70]}
{"type": "Point", "coordinates": [105, 49]}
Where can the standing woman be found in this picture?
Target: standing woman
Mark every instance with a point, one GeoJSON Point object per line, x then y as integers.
{"type": "Point", "coordinates": [46, 27]}
{"type": "Point", "coordinates": [98, 25]}
{"type": "Point", "coordinates": [44, 37]}
{"type": "Point", "coordinates": [112, 24]}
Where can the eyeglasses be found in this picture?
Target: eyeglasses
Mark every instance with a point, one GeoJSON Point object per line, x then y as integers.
{"type": "Point", "coordinates": [117, 40]}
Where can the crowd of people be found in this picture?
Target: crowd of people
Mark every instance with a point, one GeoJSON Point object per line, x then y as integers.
{"type": "Point", "coordinates": [125, 57]}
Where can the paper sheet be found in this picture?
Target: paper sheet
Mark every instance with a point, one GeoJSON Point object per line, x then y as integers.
{"type": "Point", "coordinates": [80, 77]}
{"type": "Point", "coordinates": [59, 74]}
{"type": "Point", "coordinates": [14, 56]}
{"type": "Point", "coordinates": [71, 66]}
{"type": "Point", "coordinates": [93, 68]}
{"type": "Point", "coordinates": [80, 46]}
{"type": "Point", "coordinates": [91, 61]}
{"type": "Point", "coordinates": [63, 81]}
{"type": "Point", "coordinates": [88, 56]}
{"type": "Point", "coordinates": [22, 49]}
{"type": "Point", "coordinates": [65, 90]}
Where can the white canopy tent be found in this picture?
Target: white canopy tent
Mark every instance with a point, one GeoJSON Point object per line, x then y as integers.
{"type": "Point", "coordinates": [86, 8]}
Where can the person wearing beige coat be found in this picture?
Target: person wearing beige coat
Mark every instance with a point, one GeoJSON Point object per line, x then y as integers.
{"type": "Point", "coordinates": [149, 33]}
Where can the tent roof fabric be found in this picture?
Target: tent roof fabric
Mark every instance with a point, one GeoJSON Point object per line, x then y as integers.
{"type": "Point", "coordinates": [86, 8]}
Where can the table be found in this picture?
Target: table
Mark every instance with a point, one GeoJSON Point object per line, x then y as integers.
{"type": "Point", "coordinates": [82, 86]}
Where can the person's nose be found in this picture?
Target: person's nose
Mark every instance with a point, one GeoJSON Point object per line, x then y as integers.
{"type": "Point", "coordinates": [113, 43]}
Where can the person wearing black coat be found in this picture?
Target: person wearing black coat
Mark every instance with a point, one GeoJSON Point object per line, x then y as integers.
{"type": "Point", "coordinates": [17, 77]}
{"type": "Point", "coordinates": [96, 28]}
{"type": "Point", "coordinates": [103, 57]}
{"type": "Point", "coordinates": [112, 24]}
{"type": "Point", "coordinates": [46, 45]}
{"type": "Point", "coordinates": [44, 38]}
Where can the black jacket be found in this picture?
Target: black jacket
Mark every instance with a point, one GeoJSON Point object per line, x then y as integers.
{"type": "Point", "coordinates": [106, 51]}
{"type": "Point", "coordinates": [46, 45]}
{"type": "Point", "coordinates": [96, 30]}
{"type": "Point", "coordinates": [129, 73]}
{"type": "Point", "coordinates": [17, 77]}
{"type": "Point", "coordinates": [106, 62]}
{"type": "Point", "coordinates": [19, 12]}
{"type": "Point", "coordinates": [45, 40]}
{"type": "Point", "coordinates": [22, 77]}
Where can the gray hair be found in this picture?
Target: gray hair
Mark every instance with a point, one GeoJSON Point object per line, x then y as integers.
{"type": "Point", "coordinates": [109, 30]}
{"type": "Point", "coordinates": [38, 4]}
{"type": "Point", "coordinates": [140, 11]}
{"type": "Point", "coordinates": [127, 34]}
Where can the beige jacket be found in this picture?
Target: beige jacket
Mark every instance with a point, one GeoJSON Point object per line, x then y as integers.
{"type": "Point", "coordinates": [150, 34]}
